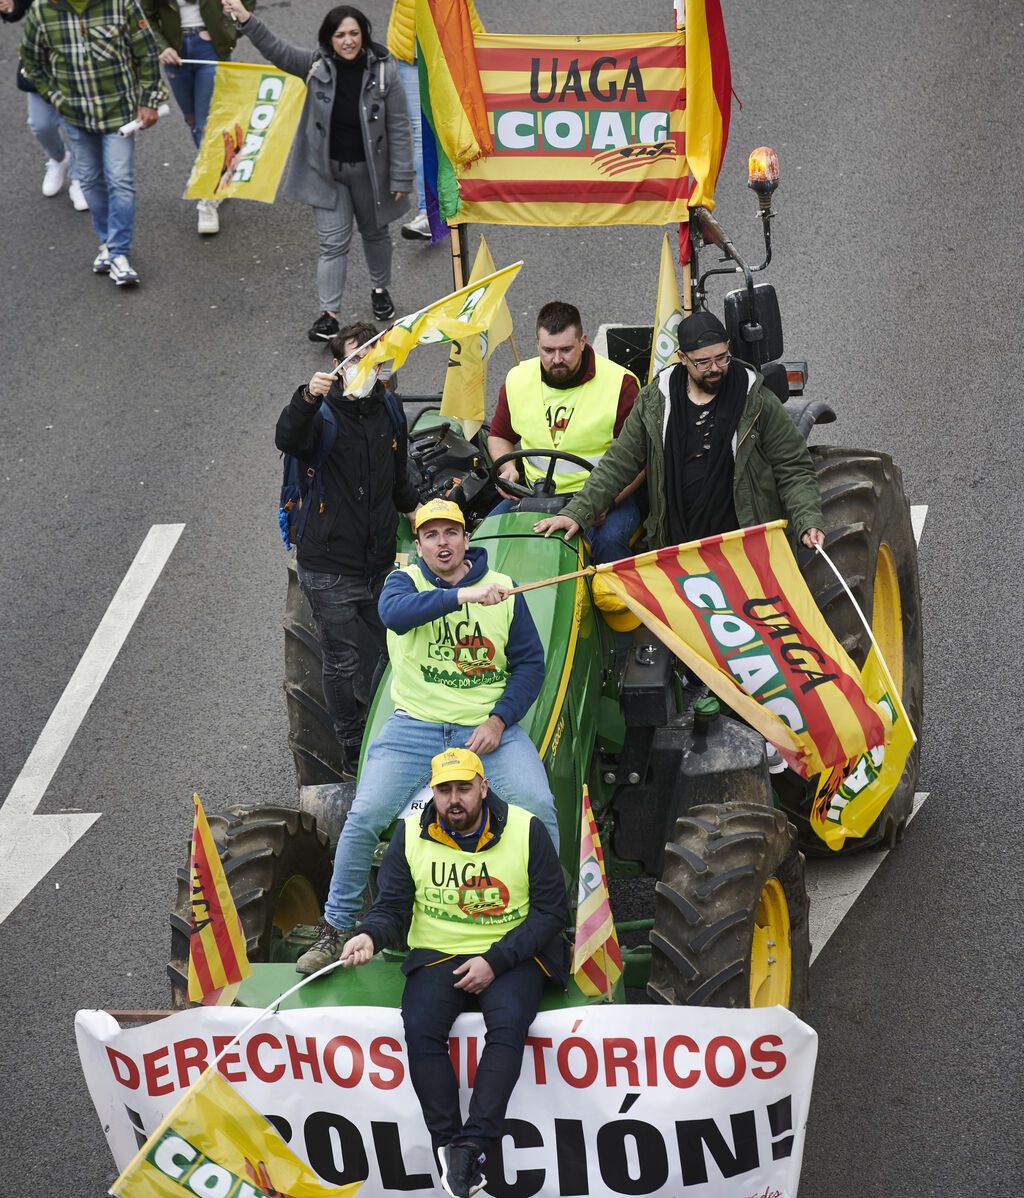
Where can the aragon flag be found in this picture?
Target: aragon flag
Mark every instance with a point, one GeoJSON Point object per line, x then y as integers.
{"type": "Point", "coordinates": [736, 610]}
{"type": "Point", "coordinates": [213, 1142]}
{"type": "Point", "coordinates": [465, 313]}
{"type": "Point", "coordinates": [253, 117]}
{"type": "Point", "coordinates": [217, 960]}
{"type": "Point", "coordinates": [596, 956]}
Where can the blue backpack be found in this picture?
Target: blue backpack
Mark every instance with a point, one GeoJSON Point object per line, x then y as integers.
{"type": "Point", "coordinates": [299, 481]}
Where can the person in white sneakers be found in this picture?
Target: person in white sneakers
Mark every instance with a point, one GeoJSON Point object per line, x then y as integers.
{"type": "Point", "coordinates": [46, 126]}
{"type": "Point", "coordinates": [96, 62]}
{"type": "Point", "coordinates": [196, 31]}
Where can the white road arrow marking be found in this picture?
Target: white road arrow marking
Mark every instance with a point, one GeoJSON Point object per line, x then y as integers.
{"type": "Point", "coordinates": [918, 511]}
{"type": "Point", "coordinates": [30, 844]}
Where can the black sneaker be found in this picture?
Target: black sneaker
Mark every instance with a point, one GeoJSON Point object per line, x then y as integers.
{"type": "Point", "coordinates": [324, 328]}
{"type": "Point", "coordinates": [461, 1172]}
{"type": "Point", "coordinates": [349, 762]}
{"type": "Point", "coordinates": [324, 950]}
{"type": "Point", "coordinates": [383, 308]}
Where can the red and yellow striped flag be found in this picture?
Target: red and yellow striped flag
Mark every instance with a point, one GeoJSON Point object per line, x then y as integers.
{"type": "Point", "coordinates": [217, 960]}
{"type": "Point", "coordinates": [596, 957]}
{"type": "Point", "coordinates": [736, 610]}
{"type": "Point", "coordinates": [708, 97]}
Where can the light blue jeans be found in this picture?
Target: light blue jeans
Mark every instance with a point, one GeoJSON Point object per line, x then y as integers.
{"type": "Point", "coordinates": [193, 86]}
{"type": "Point", "coordinates": [396, 768]}
{"type": "Point", "coordinates": [48, 129]}
{"type": "Point", "coordinates": [409, 74]}
{"type": "Point", "coordinates": [107, 175]}
{"type": "Point", "coordinates": [609, 542]}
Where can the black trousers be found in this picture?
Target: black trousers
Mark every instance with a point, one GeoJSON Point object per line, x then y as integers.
{"type": "Point", "coordinates": [430, 1005]}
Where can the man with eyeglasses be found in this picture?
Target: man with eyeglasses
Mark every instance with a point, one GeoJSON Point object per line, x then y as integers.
{"type": "Point", "coordinates": [719, 451]}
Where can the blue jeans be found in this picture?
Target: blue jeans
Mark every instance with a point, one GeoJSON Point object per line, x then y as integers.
{"type": "Point", "coordinates": [608, 542]}
{"type": "Point", "coordinates": [106, 173]}
{"type": "Point", "coordinates": [409, 74]}
{"type": "Point", "coordinates": [48, 129]}
{"type": "Point", "coordinates": [430, 1005]}
{"type": "Point", "coordinates": [396, 768]}
{"type": "Point", "coordinates": [339, 604]}
{"type": "Point", "coordinates": [193, 86]}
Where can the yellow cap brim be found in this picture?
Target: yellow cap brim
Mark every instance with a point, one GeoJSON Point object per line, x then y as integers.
{"type": "Point", "coordinates": [455, 774]}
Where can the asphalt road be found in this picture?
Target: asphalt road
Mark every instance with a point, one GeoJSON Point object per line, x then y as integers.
{"type": "Point", "coordinates": [898, 264]}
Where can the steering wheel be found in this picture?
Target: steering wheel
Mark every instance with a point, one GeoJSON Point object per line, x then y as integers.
{"type": "Point", "coordinates": [543, 487]}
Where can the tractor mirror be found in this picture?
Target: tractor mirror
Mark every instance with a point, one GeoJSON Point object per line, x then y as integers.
{"type": "Point", "coordinates": [763, 175]}
{"type": "Point", "coordinates": [756, 336]}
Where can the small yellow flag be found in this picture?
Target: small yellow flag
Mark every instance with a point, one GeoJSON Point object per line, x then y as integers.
{"type": "Point", "coordinates": [213, 1142]}
{"type": "Point", "coordinates": [465, 383]}
{"type": "Point", "coordinates": [667, 315]}
{"type": "Point", "coordinates": [253, 117]}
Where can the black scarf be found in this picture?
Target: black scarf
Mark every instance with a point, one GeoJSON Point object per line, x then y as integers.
{"type": "Point", "coordinates": [710, 509]}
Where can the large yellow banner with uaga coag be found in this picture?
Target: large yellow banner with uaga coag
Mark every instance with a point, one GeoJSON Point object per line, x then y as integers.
{"type": "Point", "coordinates": [252, 121]}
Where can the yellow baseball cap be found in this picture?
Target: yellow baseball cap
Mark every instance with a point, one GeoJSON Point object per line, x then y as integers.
{"type": "Point", "coordinates": [616, 614]}
{"type": "Point", "coordinates": [438, 509]}
{"type": "Point", "coordinates": [455, 765]}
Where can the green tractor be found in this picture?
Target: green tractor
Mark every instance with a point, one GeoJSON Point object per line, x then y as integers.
{"type": "Point", "coordinates": [704, 848]}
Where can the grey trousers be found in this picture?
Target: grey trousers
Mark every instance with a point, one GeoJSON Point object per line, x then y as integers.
{"type": "Point", "coordinates": [353, 197]}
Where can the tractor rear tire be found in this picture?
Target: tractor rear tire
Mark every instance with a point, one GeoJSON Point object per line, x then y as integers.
{"type": "Point", "coordinates": [315, 749]}
{"type": "Point", "coordinates": [871, 540]}
{"type": "Point", "coordinates": [278, 867]}
{"type": "Point", "coordinates": [731, 913]}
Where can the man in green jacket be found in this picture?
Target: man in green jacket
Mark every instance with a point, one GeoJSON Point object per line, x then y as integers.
{"type": "Point", "coordinates": [96, 62]}
{"type": "Point", "coordinates": [719, 451]}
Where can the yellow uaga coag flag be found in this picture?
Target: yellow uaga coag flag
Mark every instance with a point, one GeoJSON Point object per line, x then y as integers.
{"type": "Point", "coordinates": [464, 313]}
{"type": "Point", "coordinates": [667, 316]}
{"type": "Point", "coordinates": [212, 1142]}
{"type": "Point", "coordinates": [465, 383]}
{"type": "Point", "coordinates": [253, 117]}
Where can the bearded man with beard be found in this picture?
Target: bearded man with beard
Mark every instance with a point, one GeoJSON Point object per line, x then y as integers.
{"type": "Point", "coordinates": [719, 451]}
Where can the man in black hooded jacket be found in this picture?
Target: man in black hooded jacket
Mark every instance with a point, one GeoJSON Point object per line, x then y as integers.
{"type": "Point", "coordinates": [348, 545]}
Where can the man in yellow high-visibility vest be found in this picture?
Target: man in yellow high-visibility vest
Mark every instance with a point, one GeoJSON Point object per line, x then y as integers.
{"type": "Point", "coordinates": [571, 399]}
{"type": "Point", "coordinates": [483, 886]}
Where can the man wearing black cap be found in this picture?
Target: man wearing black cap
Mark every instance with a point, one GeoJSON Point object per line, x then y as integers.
{"type": "Point", "coordinates": [719, 451]}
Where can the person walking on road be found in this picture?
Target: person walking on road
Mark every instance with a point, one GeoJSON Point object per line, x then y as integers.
{"type": "Point", "coordinates": [481, 881]}
{"type": "Point", "coordinates": [352, 156]}
{"type": "Point", "coordinates": [196, 30]}
{"type": "Point", "coordinates": [47, 127]}
{"type": "Point", "coordinates": [466, 666]}
{"type": "Point", "coordinates": [96, 62]}
{"type": "Point", "coordinates": [348, 543]}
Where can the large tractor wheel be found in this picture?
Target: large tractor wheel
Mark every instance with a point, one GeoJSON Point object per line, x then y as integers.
{"type": "Point", "coordinates": [278, 866]}
{"type": "Point", "coordinates": [315, 748]}
{"type": "Point", "coordinates": [730, 917]}
{"type": "Point", "coordinates": [871, 540]}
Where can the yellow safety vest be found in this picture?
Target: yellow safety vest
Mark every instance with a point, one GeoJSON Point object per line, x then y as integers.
{"type": "Point", "coordinates": [401, 37]}
{"type": "Point", "coordinates": [452, 670]}
{"type": "Point", "coordinates": [580, 420]}
{"type": "Point", "coordinates": [464, 902]}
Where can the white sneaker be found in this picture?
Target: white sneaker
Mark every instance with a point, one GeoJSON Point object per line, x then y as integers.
{"type": "Point", "coordinates": [77, 196]}
{"type": "Point", "coordinates": [776, 764]}
{"type": "Point", "coordinates": [417, 229]}
{"type": "Point", "coordinates": [56, 174]}
{"type": "Point", "coordinates": [209, 221]}
{"type": "Point", "coordinates": [121, 272]}
{"type": "Point", "coordinates": [101, 263]}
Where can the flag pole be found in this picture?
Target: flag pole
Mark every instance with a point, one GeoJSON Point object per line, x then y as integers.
{"type": "Point", "coordinates": [546, 582]}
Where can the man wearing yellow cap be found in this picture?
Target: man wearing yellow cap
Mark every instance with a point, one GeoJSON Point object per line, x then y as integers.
{"type": "Point", "coordinates": [467, 664]}
{"type": "Point", "coordinates": [482, 883]}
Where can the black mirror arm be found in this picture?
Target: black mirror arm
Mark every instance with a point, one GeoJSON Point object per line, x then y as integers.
{"type": "Point", "coordinates": [711, 231]}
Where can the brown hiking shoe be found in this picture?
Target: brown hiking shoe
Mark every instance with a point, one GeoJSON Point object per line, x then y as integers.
{"type": "Point", "coordinates": [324, 950]}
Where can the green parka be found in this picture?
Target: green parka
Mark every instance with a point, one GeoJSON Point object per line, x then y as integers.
{"type": "Point", "coordinates": [774, 477]}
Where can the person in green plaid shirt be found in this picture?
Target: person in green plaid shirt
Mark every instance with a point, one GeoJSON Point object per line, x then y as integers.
{"type": "Point", "coordinates": [96, 62]}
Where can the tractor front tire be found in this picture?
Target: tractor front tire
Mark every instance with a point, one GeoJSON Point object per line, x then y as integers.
{"type": "Point", "coordinates": [278, 867]}
{"type": "Point", "coordinates": [870, 538]}
{"type": "Point", "coordinates": [730, 919]}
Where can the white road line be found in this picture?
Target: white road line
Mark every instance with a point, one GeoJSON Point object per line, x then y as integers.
{"type": "Point", "coordinates": [918, 512]}
{"type": "Point", "coordinates": [835, 884]}
{"type": "Point", "coordinates": [30, 844]}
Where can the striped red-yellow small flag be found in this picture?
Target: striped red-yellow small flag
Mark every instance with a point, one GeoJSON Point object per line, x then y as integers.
{"type": "Point", "coordinates": [596, 957]}
{"type": "Point", "coordinates": [217, 960]}
{"type": "Point", "coordinates": [736, 610]}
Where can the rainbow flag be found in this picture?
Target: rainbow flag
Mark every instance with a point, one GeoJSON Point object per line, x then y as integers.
{"type": "Point", "coordinates": [708, 97]}
{"type": "Point", "coordinates": [596, 956]}
{"type": "Point", "coordinates": [217, 960]}
{"type": "Point", "coordinates": [212, 1142]}
{"type": "Point", "coordinates": [736, 610]}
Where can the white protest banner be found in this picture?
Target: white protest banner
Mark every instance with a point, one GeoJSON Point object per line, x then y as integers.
{"type": "Point", "coordinates": [671, 1102]}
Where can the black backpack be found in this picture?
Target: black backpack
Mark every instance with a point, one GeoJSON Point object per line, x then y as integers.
{"type": "Point", "coordinates": [298, 480]}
